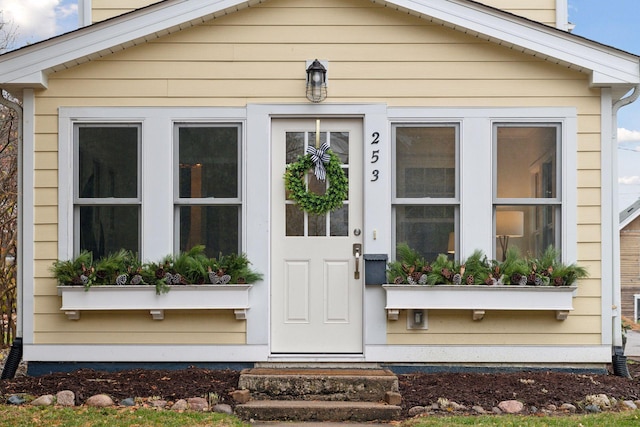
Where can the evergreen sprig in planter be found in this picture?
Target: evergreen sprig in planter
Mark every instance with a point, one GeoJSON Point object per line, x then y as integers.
{"type": "Point", "coordinates": [120, 282]}
{"type": "Point", "coordinates": [479, 284]}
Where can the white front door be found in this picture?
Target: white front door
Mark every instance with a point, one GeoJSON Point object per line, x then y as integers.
{"type": "Point", "coordinates": [316, 296]}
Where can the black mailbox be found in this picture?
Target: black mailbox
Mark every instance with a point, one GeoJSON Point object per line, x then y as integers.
{"type": "Point", "coordinates": [375, 269]}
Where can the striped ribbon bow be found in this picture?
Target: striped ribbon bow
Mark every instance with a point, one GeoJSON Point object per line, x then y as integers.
{"type": "Point", "coordinates": [319, 157]}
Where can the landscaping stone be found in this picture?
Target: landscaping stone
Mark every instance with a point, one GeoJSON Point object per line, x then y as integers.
{"type": "Point", "coordinates": [129, 401]}
{"type": "Point", "coordinates": [568, 407]}
{"type": "Point", "coordinates": [241, 396]}
{"type": "Point", "coordinates": [99, 401]}
{"type": "Point", "coordinates": [158, 403]}
{"type": "Point", "coordinates": [15, 400]}
{"type": "Point", "coordinates": [45, 400]}
{"type": "Point", "coordinates": [511, 406]}
{"type": "Point", "coordinates": [416, 410]}
{"type": "Point", "coordinates": [592, 408]}
{"type": "Point", "coordinates": [180, 405]}
{"type": "Point", "coordinates": [222, 408]}
{"type": "Point", "coordinates": [66, 398]}
{"type": "Point", "coordinates": [478, 409]}
{"type": "Point", "coordinates": [629, 404]}
{"type": "Point", "coordinates": [600, 400]}
{"type": "Point", "coordinates": [198, 404]}
{"type": "Point", "coordinates": [393, 398]}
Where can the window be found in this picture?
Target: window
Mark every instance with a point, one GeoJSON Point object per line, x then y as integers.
{"type": "Point", "coordinates": [107, 188]}
{"type": "Point", "coordinates": [527, 198]}
{"type": "Point", "coordinates": [426, 201]}
{"type": "Point", "coordinates": [207, 189]}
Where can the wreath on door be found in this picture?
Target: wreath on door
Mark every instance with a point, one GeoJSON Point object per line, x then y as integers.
{"type": "Point", "coordinates": [326, 165]}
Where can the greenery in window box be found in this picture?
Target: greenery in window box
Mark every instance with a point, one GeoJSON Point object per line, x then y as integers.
{"type": "Point", "coordinates": [124, 268]}
{"type": "Point", "coordinates": [477, 269]}
{"type": "Point", "coordinates": [318, 204]}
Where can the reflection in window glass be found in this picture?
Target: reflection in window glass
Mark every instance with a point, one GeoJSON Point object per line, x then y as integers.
{"type": "Point", "coordinates": [215, 227]}
{"type": "Point", "coordinates": [208, 159]}
{"type": "Point", "coordinates": [523, 153]}
{"type": "Point", "coordinates": [526, 176]}
{"type": "Point", "coordinates": [294, 220]}
{"type": "Point", "coordinates": [107, 162]}
{"type": "Point", "coordinates": [425, 228]}
{"type": "Point", "coordinates": [107, 229]}
{"type": "Point", "coordinates": [339, 221]}
{"type": "Point", "coordinates": [425, 162]}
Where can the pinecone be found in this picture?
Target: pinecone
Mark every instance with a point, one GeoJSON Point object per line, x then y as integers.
{"type": "Point", "coordinates": [121, 279]}
{"type": "Point", "coordinates": [471, 280]}
{"type": "Point", "coordinates": [136, 279]}
{"type": "Point", "coordinates": [427, 269]}
{"type": "Point", "coordinates": [489, 281]}
{"type": "Point", "coordinates": [446, 273]}
{"type": "Point", "coordinates": [160, 273]}
{"type": "Point", "coordinates": [558, 281]}
{"type": "Point", "coordinates": [457, 279]}
{"type": "Point", "coordinates": [77, 281]}
{"type": "Point", "coordinates": [398, 280]}
{"type": "Point", "coordinates": [531, 279]}
{"type": "Point", "coordinates": [515, 278]}
{"type": "Point", "coordinates": [101, 274]}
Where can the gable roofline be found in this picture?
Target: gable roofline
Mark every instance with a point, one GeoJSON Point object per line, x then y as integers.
{"type": "Point", "coordinates": [31, 65]}
{"type": "Point", "coordinates": [628, 215]}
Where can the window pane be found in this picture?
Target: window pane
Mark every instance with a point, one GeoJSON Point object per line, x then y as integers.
{"type": "Point", "coordinates": [107, 229]}
{"type": "Point", "coordinates": [425, 161]}
{"type": "Point", "coordinates": [339, 221]}
{"type": "Point", "coordinates": [317, 225]}
{"type": "Point", "coordinates": [208, 158]}
{"type": "Point", "coordinates": [340, 146]}
{"type": "Point", "coordinates": [294, 220]}
{"type": "Point", "coordinates": [529, 228]}
{"type": "Point", "coordinates": [425, 228]}
{"type": "Point", "coordinates": [215, 227]}
{"type": "Point", "coordinates": [295, 146]}
{"type": "Point", "coordinates": [107, 162]}
{"type": "Point", "coordinates": [526, 163]}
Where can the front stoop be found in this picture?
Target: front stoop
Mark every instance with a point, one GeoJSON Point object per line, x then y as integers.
{"type": "Point", "coordinates": [319, 395]}
{"type": "Point", "coordinates": [314, 410]}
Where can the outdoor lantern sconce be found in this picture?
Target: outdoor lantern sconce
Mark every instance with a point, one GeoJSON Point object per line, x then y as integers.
{"type": "Point", "coordinates": [508, 224]}
{"type": "Point", "coordinates": [316, 82]}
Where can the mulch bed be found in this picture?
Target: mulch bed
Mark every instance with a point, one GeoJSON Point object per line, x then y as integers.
{"type": "Point", "coordinates": [535, 388]}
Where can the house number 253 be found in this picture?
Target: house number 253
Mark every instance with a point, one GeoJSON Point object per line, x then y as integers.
{"type": "Point", "coordinates": [375, 155]}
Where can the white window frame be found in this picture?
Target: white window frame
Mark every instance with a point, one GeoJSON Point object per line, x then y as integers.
{"type": "Point", "coordinates": [108, 201]}
{"type": "Point", "coordinates": [205, 201]}
{"type": "Point", "coordinates": [476, 164]}
{"type": "Point", "coordinates": [426, 201]}
{"type": "Point", "coordinates": [556, 201]}
{"type": "Point", "coordinates": [156, 186]}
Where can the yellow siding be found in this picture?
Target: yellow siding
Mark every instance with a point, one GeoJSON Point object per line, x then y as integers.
{"type": "Point", "coordinates": [375, 55]}
{"type": "Point", "coordinates": [105, 9]}
{"type": "Point", "coordinates": [537, 10]}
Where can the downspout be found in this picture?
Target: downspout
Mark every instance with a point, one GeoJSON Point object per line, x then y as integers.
{"type": "Point", "coordinates": [15, 354]}
{"type": "Point", "coordinates": [619, 360]}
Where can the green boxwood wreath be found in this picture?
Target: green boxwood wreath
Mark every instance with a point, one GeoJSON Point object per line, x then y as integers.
{"type": "Point", "coordinates": [337, 192]}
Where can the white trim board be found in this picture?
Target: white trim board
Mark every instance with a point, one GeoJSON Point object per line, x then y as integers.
{"type": "Point", "coordinates": [30, 65]}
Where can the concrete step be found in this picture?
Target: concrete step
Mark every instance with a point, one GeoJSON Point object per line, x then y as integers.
{"type": "Point", "coordinates": [365, 385]}
{"type": "Point", "coordinates": [296, 410]}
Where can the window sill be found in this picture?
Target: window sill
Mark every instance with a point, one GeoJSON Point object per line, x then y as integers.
{"type": "Point", "coordinates": [143, 297]}
{"type": "Point", "coordinates": [479, 298]}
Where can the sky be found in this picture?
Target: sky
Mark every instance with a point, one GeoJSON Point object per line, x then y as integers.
{"type": "Point", "coordinates": [612, 22]}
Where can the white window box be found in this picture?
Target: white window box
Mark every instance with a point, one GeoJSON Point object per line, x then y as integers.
{"type": "Point", "coordinates": [479, 298]}
{"type": "Point", "coordinates": [143, 297]}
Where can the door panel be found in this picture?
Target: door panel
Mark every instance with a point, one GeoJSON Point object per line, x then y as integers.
{"type": "Point", "coordinates": [316, 301]}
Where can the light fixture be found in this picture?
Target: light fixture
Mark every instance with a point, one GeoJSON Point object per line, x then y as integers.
{"type": "Point", "coordinates": [508, 224]}
{"type": "Point", "coordinates": [451, 246]}
{"type": "Point", "coordinates": [316, 82]}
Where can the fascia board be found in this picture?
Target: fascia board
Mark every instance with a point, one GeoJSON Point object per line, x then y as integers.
{"type": "Point", "coordinates": [110, 36]}
{"type": "Point", "coordinates": [610, 65]}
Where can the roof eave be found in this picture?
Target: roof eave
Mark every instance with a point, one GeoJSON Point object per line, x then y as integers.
{"type": "Point", "coordinates": [606, 66]}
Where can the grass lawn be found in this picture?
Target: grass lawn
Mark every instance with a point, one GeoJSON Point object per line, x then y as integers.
{"type": "Point", "coordinates": [27, 416]}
